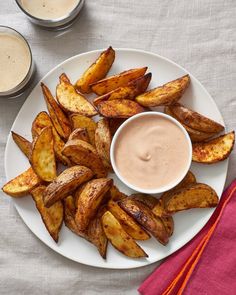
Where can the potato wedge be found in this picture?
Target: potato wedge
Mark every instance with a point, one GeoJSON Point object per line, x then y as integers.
{"type": "Point", "coordinates": [59, 119]}
{"type": "Point", "coordinates": [164, 95]}
{"type": "Point", "coordinates": [195, 120]}
{"type": "Point", "coordinates": [114, 124]}
{"type": "Point", "coordinates": [89, 200]}
{"type": "Point", "coordinates": [97, 71]}
{"type": "Point", "coordinates": [96, 234]}
{"type": "Point", "coordinates": [119, 238]}
{"type": "Point", "coordinates": [24, 145]}
{"type": "Point", "coordinates": [147, 200]}
{"type": "Point", "coordinates": [115, 194]}
{"type": "Point", "coordinates": [129, 225]}
{"type": "Point", "coordinates": [119, 108]}
{"type": "Point", "coordinates": [79, 133]}
{"type": "Point", "coordinates": [65, 183]}
{"type": "Point", "coordinates": [41, 121]}
{"type": "Point", "coordinates": [129, 91]}
{"type": "Point", "coordinates": [79, 121]}
{"type": "Point", "coordinates": [111, 83]}
{"type": "Point", "coordinates": [42, 157]}
{"type": "Point", "coordinates": [195, 135]}
{"type": "Point", "coordinates": [103, 142]}
{"type": "Point", "coordinates": [198, 195]}
{"type": "Point", "coordinates": [22, 184]}
{"type": "Point", "coordinates": [72, 101]}
{"type": "Point", "coordinates": [83, 153]}
{"type": "Point", "coordinates": [144, 216]}
{"type": "Point", "coordinates": [214, 150]}
{"type": "Point", "coordinates": [52, 217]}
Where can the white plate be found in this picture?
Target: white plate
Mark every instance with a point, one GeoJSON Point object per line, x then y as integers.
{"type": "Point", "coordinates": [187, 224]}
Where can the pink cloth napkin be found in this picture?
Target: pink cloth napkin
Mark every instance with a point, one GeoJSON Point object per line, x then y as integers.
{"type": "Point", "coordinates": [207, 264]}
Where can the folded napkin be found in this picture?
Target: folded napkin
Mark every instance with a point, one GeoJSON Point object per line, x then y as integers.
{"type": "Point", "coordinates": [207, 264]}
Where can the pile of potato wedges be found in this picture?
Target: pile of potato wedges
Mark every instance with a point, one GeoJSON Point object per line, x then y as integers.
{"type": "Point", "coordinates": [67, 139]}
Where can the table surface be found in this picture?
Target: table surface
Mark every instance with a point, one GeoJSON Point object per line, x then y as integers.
{"type": "Point", "coordinates": [200, 35]}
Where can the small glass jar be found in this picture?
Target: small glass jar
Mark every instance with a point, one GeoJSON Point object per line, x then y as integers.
{"type": "Point", "coordinates": [16, 62]}
{"type": "Point", "coordinates": [54, 23]}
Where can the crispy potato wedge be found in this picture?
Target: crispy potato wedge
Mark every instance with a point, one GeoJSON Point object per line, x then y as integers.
{"type": "Point", "coordinates": [168, 222]}
{"type": "Point", "coordinates": [214, 150]}
{"type": "Point", "coordinates": [195, 120]}
{"type": "Point", "coordinates": [198, 195]}
{"type": "Point", "coordinates": [24, 145]}
{"type": "Point", "coordinates": [52, 217]}
{"type": "Point", "coordinates": [96, 234]}
{"type": "Point", "coordinates": [103, 142]}
{"type": "Point", "coordinates": [72, 101]}
{"type": "Point", "coordinates": [59, 119]}
{"type": "Point", "coordinates": [115, 194]}
{"type": "Point", "coordinates": [42, 157]}
{"type": "Point", "coordinates": [164, 95]}
{"type": "Point", "coordinates": [129, 225]}
{"type": "Point", "coordinates": [79, 133]}
{"type": "Point", "coordinates": [65, 183]}
{"type": "Point", "coordinates": [111, 83]}
{"type": "Point", "coordinates": [97, 71]}
{"type": "Point", "coordinates": [22, 184]}
{"type": "Point", "coordinates": [83, 153]}
{"type": "Point", "coordinates": [129, 91]}
{"type": "Point", "coordinates": [79, 121]}
{"type": "Point", "coordinates": [147, 200]}
{"type": "Point", "coordinates": [144, 216]}
{"type": "Point", "coordinates": [41, 121]}
{"type": "Point", "coordinates": [89, 200]}
{"type": "Point", "coordinates": [119, 238]}
{"type": "Point", "coordinates": [119, 108]}
{"type": "Point", "coordinates": [114, 124]}
{"type": "Point", "coordinates": [195, 135]}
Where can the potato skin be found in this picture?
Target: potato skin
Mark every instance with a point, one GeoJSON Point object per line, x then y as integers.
{"type": "Point", "coordinates": [89, 200]}
{"type": "Point", "coordinates": [214, 150]}
{"type": "Point", "coordinates": [24, 145]}
{"type": "Point", "coordinates": [65, 183]}
{"type": "Point", "coordinates": [79, 133]}
{"type": "Point", "coordinates": [147, 200]}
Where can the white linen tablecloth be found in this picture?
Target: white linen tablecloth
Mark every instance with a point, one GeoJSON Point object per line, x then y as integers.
{"type": "Point", "coordinates": [200, 35]}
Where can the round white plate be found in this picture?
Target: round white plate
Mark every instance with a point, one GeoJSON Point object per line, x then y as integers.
{"type": "Point", "coordinates": [187, 224]}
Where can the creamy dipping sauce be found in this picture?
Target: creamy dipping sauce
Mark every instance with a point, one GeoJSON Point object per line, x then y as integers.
{"type": "Point", "coordinates": [151, 152]}
{"type": "Point", "coordinates": [49, 9]}
{"type": "Point", "coordinates": [15, 61]}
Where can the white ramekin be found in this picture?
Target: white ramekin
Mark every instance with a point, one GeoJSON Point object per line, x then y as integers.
{"type": "Point", "coordinates": [157, 190]}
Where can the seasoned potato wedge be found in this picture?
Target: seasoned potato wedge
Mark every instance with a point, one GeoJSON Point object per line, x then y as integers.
{"type": "Point", "coordinates": [144, 216]}
{"type": "Point", "coordinates": [65, 183]}
{"type": "Point", "coordinates": [116, 195]}
{"type": "Point", "coordinates": [129, 225]}
{"type": "Point", "coordinates": [214, 150]}
{"type": "Point", "coordinates": [111, 83]}
{"type": "Point", "coordinates": [79, 133]}
{"type": "Point", "coordinates": [79, 121]}
{"type": "Point", "coordinates": [168, 222]}
{"type": "Point", "coordinates": [119, 238]}
{"type": "Point", "coordinates": [22, 184]}
{"type": "Point", "coordinates": [42, 157]}
{"type": "Point", "coordinates": [114, 124]}
{"type": "Point", "coordinates": [166, 94]}
{"type": "Point", "coordinates": [195, 120]}
{"type": "Point", "coordinates": [89, 200]}
{"type": "Point", "coordinates": [41, 121]}
{"type": "Point", "coordinates": [103, 142]}
{"type": "Point", "coordinates": [129, 91]}
{"type": "Point", "coordinates": [72, 101]}
{"type": "Point", "coordinates": [83, 153]}
{"type": "Point", "coordinates": [52, 217]}
{"type": "Point", "coordinates": [24, 145]}
{"type": "Point", "coordinates": [195, 135]}
{"type": "Point", "coordinates": [59, 119]}
{"type": "Point", "coordinates": [147, 200]}
{"type": "Point", "coordinates": [97, 71]}
{"type": "Point", "coordinates": [96, 234]}
{"type": "Point", "coordinates": [119, 108]}
{"type": "Point", "coordinates": [196, 196]}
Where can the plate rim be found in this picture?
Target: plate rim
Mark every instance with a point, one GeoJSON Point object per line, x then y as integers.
{"type": "Point", "coordinates": [53, 247]}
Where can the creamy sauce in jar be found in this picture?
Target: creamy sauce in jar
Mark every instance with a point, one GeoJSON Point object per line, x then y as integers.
{"type": "Point", "coordinates": [15, 61]}
{"type": "Point", "coordinates": [151, 152]}
{"type": "Point", "coordinates": [49, 9]}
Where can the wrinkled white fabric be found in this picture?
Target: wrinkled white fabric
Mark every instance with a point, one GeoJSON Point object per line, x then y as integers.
{"type": "Point", "coordinates": [200, 35]}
